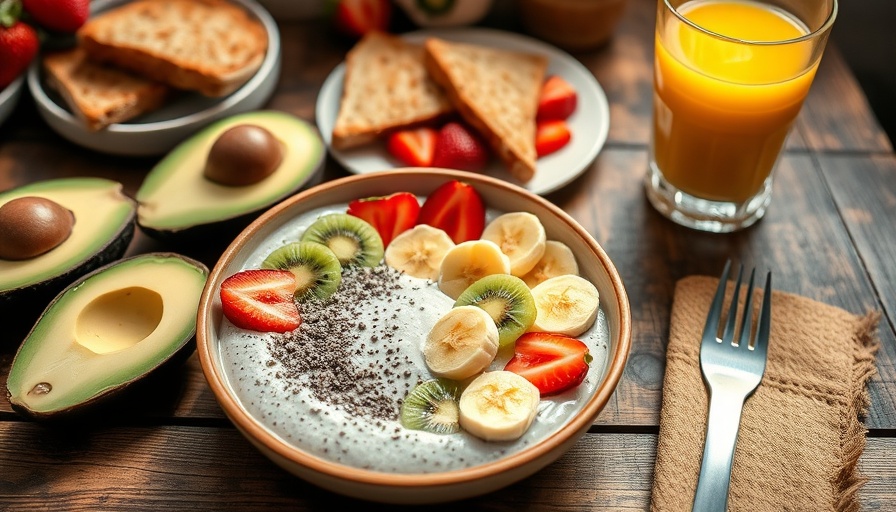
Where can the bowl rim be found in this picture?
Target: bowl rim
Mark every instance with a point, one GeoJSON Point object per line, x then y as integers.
{"type": "Point", "coordinates": [333, 470]}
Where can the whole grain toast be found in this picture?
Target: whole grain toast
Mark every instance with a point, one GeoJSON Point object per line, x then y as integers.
{"type": "Point", "coordinates": [386, 87]}
{"type": "Point", "coordinates": [210, 46]}
{"type": "Point", "coordinates": [496, 91]}
{"type": "Point", "coordinates": [101, 95]}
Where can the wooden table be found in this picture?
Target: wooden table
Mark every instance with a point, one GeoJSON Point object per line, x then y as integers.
{"type": "Point", "coordinates": [829, 235]}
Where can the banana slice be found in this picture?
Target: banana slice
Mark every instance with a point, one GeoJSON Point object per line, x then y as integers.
{"type": "Point", "coordinates": [558, 260]}
{"type": "Point", "coordinates": [461, 344]}
{"type": "Point", "coordinates": [498, 406]}
{"type": "Point", "coordinates": [468, 262]}
{"type": "Point", "coordinates": [520, 236]}
{"type": "Point", "coordinates": [565, 304]}
{"type": "Point", "coordinates": [418, 252]}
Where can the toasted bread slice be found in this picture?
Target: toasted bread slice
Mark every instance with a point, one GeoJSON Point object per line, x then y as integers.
{"type": "Point", "coordinates": [101, 95]}
{"type": "Point", "coordinates": [496, 91]}
{"type": "Point", "coordinates": [386, 87]}
{"type": "Point", "coordinates": [210, 46]}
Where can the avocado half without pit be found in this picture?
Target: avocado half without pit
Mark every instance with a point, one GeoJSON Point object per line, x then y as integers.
{"type": "Point", "coordinates": [106, 331]}
{"type": "Point", "coordinates": [223, 177]}
{"type": "Point", "coordinates": [54, 231]}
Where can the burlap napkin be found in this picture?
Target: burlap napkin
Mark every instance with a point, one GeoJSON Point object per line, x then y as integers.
{"type": "Point", "coordinates": [801, 433]}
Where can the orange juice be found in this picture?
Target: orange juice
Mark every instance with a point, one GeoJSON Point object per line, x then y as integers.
{"type": "Point", "coordinates": [723, 105]}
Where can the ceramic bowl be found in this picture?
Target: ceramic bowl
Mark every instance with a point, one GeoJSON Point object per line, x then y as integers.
{"type": "Point", "coordinates": [9, 97]}
{"type": "Point", "coordinates": [157, 132]}
{"type": "Point", "coordinates": [259, 410]}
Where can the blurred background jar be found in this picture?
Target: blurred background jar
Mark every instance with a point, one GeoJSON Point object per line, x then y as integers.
{"type": "Point", "coordinates": [573, 25]}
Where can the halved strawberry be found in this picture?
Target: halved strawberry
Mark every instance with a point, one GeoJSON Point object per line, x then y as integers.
{"type": "Point", "coordinates": [414, 146]}
{"type": "Point", "coordinates": [457, 209]}
{"type": "Point", "coordinates": [390, 215]}
{"type": "Point", "coordinates": [552, 362]}
{"type": "Point", "coordinates": [261, 300]}
{"type": "Point", "coordinates": [558, 99]}
{"type": "Point", "coordinates": [358, 17]}
{"type": "Point", "coordinates": [459, 147]}
{"type": "Point", "coordinates": [550, 136]}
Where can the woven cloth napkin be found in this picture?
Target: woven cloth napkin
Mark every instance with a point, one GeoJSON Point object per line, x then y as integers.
{"type": "Point", "coordinates": [801, 432]}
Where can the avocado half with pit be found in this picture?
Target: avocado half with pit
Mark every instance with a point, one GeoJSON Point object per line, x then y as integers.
{"type": "Point", "coordinates": [106, 331]}
{"type": "Point", "coordinates": [103, 226]}
{"type": "Point", "coordinates": [177, 199]}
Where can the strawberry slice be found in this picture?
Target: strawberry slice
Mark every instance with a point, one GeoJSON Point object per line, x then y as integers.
{"type": "Point", "coordinates": [261, 300]}
{"type": "Point", "coordinates": [552, 362]}
{"type": "Point", "coordinates": [389, 215]}
{"type": "Point", "coordinates": [414, 147]}
{"type": "Point", "coordinates": [358, 17]}
{"type": "Point", "coordinates": [550, 136]}
{"type": "Point", "coordinates": [458, 147]}
{"type": "Point", "coordinates": [558, 99]}
{"type": "Point", "coordinates": [455, 208]}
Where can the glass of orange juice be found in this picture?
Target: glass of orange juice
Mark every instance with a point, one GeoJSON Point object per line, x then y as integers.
{"type": "Point", "coordinates": [730, 77]}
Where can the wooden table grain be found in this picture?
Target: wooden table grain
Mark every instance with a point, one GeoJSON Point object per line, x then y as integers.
{"type": "Point", "coordinates": [829, 235]}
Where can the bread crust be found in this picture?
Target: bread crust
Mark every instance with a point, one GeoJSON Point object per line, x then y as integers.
{"type": "Point", "coordinates": [101, 95]}
{"type": "Point", "coordinates": [386, 88]}
{"type": "Point", "coordinates": [209, 46]}
{"type": "Point", "coordinates": [496, 91]}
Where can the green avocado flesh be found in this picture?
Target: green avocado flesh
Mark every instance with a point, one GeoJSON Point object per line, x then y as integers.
{"type": "Point", "coordinates": [103, 214]}
{"type": "Point", "coordinates": [105, 332]}
{"type": "Point", "coordinates": [176, 195]}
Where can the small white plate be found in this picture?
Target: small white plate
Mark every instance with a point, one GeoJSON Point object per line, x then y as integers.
{"type": "Point", "coordinates": [159, 131]}
{"type": "Point", "coordinates": [589, 123]}
{"type": "Point", "coordinates": [9, 96]}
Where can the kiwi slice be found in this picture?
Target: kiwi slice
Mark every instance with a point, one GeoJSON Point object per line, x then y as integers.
{"type": "Point", "coordinates": [317, 270]}
{"type": "Point", "coordinates": [507, 300]}
{"type": "Point", "coordinates": [432, 406]}
{"type": "Point", "coordinates": [352, 239]}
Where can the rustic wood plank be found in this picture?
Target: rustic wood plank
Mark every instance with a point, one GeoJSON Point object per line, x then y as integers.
{"type": "Point", "coordinates": [191, 468]}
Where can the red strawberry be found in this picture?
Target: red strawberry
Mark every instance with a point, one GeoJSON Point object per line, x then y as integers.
{"type": "Point", "coordinates": [390, 215]}
{"type": "Point", "coordinates": [552, 362]}
{"type": "Point", "coordinates": [457, 147]}
{"type": "Point", "coordinates": [18, 46]}
{"type": "Point", "coordinates": [457, 209]}
{"type": "Point", "coordinates": [414, 146]}
{"type": "Point", "coordinates": [58, 15]}
{"type": "Point", "coordinates": [550, 136]}
{"type": "Point", "coordinates": [358, 17]}
{"type": "Point", "coordinates": [558, 99]}
{"type": "Point", "coordinates": [261, 300]}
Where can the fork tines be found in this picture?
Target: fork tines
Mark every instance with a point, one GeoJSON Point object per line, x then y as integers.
{"type": "Point", "coordinates": [760, 339]}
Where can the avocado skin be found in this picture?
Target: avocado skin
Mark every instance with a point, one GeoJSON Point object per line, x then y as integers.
{"type": "Point", "coordinates": [86, 408]}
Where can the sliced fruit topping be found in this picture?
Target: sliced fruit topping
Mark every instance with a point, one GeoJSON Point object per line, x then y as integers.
{"type": "Point", "coordinates": [414, 146]}
{"type": "Point", "coordinates": [552, 362]}
{"type": "Point", "coordinates": [566, 304]}
{"type": "Point", "coordinates": [461, 344]}
{"type": "Point", "coordinates": [507, 300]}
{"type": "Point", "coordinates": [458, 147]}
{"type": "Point", "coordinates": [550, 136]}
{"type": "Point", "coordinates": [457, 209]}
{"type": "Point", "coordinates": [520, 236]}
{"type": "Point", "coordinates": [432, 407]}
{"type": "Point", "coordinates": [353, 240]}
{"type": "Point", "coordinates": [419, 252]}
{"type": "Point", "coordinates": [558, 260]}
{"type": "Point", "coordinates": [468, 262]}
{"type": "Point", "coordinates": [558, 99]}
{"type": "Point", "coordinates": [316, 268]}
{"type": "Point", "coordinates": [390, 215]}
{"type": "Point", "coordinates": [261, 300]}
{"type": "Point", "coordinates": [498, 406]}
{"type": "Point", "coordinates": [358, 17]}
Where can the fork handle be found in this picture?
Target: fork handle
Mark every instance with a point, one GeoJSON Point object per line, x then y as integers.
{"type": "Point", "coordinates": [718, 454]}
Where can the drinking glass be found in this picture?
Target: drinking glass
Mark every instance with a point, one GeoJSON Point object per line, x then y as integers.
{"type": "Point", "coordinates": [730, 77]}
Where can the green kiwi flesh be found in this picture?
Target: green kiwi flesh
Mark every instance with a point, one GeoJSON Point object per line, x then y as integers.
{"type": "Point", "coordinates": [352, 239]}
{"type": "Point", "coordinates": [507, 300]}
{"type": "Point", "coordinates": [432, 406]}
{"type": "Point", "coordinates": [317, 270]}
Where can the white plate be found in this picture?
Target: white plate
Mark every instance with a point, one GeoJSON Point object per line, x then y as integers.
{"type": "Point", "coordinates": [589, 123]}
{"type": "Point", "coordinates": [9, 96]}
{"type": "Point", "coordinates": [159, 131]}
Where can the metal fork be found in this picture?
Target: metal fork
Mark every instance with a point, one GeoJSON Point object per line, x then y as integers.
{"type": "Point", "coordinates": [732, 368]}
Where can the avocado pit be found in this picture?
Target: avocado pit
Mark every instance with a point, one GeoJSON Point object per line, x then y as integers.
{"type": "Point", "coordinates": [243, 155]}
{"type": "Point", "coordinates": [31, 226]}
